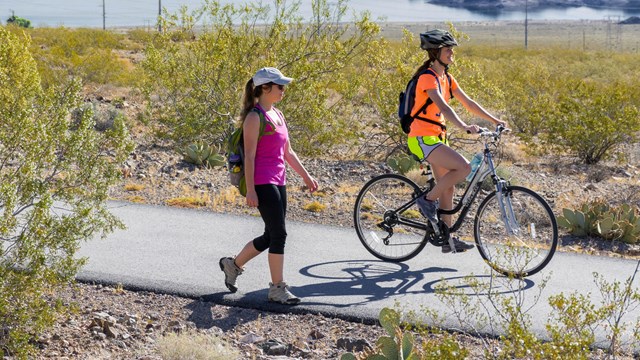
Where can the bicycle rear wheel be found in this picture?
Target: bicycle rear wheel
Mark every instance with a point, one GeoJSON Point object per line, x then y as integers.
{"type": "Point", "coordinates": [387, 226]}
{"type": "Point", "coordinates": [533, 238]}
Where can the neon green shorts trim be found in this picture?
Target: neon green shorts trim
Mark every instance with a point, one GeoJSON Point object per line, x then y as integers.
{"type": "Point", "coordinates": [422, 146]}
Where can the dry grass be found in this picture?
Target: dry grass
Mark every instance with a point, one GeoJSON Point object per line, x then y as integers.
{"type": "Point", "coordinates": [314, 206]}
{"type": "Point", "coordinates": [136, 199]}
{"type": "Point", "coordinates": [196, 346]}
{"type": "Point", "coordinates": [133, 187]}
{"type": "Point", "coordinates": [226, 196]}
{"type": "Point", "coordinates": [349, 189]}
{"type": "Point", "coordinates": [189, 201]}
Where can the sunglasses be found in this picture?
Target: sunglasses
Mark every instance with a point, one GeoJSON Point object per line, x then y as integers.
{"type": "Point", "coordinates": [281, 87]}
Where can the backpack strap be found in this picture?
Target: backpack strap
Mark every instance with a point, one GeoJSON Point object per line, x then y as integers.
{"type": "Point", "coordinates": [429, 101]}
{"type": "Point", "coordinates": [263, 122]}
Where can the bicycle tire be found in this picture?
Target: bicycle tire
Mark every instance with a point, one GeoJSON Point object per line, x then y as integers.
{"type": "Point", "coordinates": [374, 209]}
{"type": "Point", "coordinates": [530, 248]}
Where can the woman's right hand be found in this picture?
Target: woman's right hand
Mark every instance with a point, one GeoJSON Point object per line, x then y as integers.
{"type": "Point", "coordinates": [252, 198]}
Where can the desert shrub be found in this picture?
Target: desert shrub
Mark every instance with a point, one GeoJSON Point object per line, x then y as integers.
{"type": "Point", "coordinates": [195, 81]}
{"type": "Point", "coordinates": [572, 323]}
{"type": "Point", "coordinates": [18, 21]}
{"type": "Point", "coordinates": [54, 178]}
{"type": "Point", "coordinates": [104, 118]}
{"type": "Point", "coordinates": [593, 120]}
{"type": "Point", "coordinates": [570, 107]}
{"type": "Point", "coordinates": [88, 54]}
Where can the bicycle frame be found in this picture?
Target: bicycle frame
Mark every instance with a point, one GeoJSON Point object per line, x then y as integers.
{"type": "Point", "coordinates": [486, 168]}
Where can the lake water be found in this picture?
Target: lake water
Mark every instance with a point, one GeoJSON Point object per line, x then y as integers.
{"type": "Point", "coordinates": [88, 13]}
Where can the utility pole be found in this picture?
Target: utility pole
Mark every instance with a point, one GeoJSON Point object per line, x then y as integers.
{"type": "Point", "coordinates": [104, 15]}
{"type": "Point", "coordinates": [159, 14]}
{"type": "Point", "coordinates": [526, 24]}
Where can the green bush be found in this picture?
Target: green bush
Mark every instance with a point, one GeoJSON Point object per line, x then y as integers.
{"type": "Point", "coordinates": [195, 81]}
{"type": "Point", "coordinates": [571, 107]}
{"type": "Point", "coordinates": [21, 22]}
{"type": "Point", "coordinates": [593, 120]}
{"type": "Point", "coordinates": [47, 159]}
{"type": "Point", "coordinates": [87, 54]}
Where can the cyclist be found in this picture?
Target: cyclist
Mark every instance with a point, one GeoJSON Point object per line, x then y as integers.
{"type": "Point", "coordinates": [265, 173]}
{"type": "Point", "coordinates": [428, 135]}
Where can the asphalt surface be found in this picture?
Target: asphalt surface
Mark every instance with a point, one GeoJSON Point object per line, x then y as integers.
{"type": "Point", "coordinates": [176, 251]}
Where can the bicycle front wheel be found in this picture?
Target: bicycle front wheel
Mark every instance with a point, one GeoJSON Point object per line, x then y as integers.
{"type": "Point", "coordinates": [518, 237]}
{"type": "Point", "coordinates": [388, 227]}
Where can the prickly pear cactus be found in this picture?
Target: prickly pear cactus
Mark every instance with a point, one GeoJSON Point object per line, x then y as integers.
{"type": "Point", "coordinates": [402, 163]}
{"type": "Point", "coordinates": [599, 219]}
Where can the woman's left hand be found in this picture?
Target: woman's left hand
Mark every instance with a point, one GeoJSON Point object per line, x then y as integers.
{"type": "Point", "coordinates": [311, 183]}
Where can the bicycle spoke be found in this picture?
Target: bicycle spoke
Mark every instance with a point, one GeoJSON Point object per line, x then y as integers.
{"type": "Point", "coordinates": [384, 232]}
{"type": "Point", "coordinates": [504, 243]}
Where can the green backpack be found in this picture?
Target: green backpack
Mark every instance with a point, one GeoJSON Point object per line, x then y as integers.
{"type": "Point", "coordinates": [235, 153]}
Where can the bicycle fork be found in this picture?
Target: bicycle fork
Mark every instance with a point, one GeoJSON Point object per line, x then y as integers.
{"type": "Point", "coordinates": [506, 209]}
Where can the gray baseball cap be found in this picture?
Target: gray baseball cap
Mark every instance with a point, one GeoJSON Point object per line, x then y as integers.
{"type": "Point", "coordinates": [270, 74]}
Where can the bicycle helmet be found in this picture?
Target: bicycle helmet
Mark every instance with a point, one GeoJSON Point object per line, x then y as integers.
{"type": "Point", "coordinates": [436, 39]}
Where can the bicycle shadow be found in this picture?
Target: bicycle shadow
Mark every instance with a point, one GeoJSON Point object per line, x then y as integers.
{"type": "Point", "coordinates": [365, 279]}
{"type": "Point", "coordinates": [379, 280]}
{"type": "Point", "coordinates": [478, 285]}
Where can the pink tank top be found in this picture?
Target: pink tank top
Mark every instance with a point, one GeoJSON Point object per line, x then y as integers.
{"type": "Point", "coordinates": [270, 165]}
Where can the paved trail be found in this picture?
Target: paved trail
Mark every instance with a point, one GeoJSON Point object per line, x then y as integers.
{"type": "Point", "coordinates": [176, 251]}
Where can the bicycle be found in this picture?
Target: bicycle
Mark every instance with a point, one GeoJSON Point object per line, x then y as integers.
{"type": "Point", "coordinates": [515, 229]}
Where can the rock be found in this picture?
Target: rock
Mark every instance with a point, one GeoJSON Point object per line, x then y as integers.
{"type": "Point", "coordinates": [274, 348]}
{"type": "Point", "coordinates": [315, 335]}
{"type": "Point", "coordinates": [590, 187]}
{"type": "Point", "coordinates": [353, 345]}
{"type": "Point", "coordinates": [251, 338]}
{"type": "Point", "coordinates": [111, 331]}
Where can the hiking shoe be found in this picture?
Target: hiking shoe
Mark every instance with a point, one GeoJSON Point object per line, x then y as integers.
{"type": "Point", "coordinates": [428, 209]}
{"type": "Point", "coordinates": [231, 272]}
{"type": "Point", "coordinates": [460, 245]}
{"type": "Point", "coordinates": [280, 293]}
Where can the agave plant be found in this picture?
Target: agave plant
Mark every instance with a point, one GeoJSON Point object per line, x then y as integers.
{"type": "Point", "coordinates": [200, 153]}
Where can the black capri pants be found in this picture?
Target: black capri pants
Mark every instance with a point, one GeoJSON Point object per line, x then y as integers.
{"type": "Point", "coordinates": [272, 204]}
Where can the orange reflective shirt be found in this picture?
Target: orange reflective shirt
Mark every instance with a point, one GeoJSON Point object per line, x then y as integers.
{"type": "Point", "coordinates": [427, 82]}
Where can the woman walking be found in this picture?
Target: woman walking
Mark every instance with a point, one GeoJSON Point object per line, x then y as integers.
{"type": "Point", "coordinates": [265, 174]}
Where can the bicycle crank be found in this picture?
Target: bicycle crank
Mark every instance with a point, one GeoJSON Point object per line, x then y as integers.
{"type": "Point", "coordinates": [438, 239]}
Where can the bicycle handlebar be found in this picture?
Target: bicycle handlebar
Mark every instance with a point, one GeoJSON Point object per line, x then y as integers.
{"type": "Point", "coordinates": [484, 132]}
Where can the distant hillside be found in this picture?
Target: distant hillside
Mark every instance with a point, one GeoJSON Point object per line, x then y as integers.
{"type": "Point", "coordinates": [533, 4]}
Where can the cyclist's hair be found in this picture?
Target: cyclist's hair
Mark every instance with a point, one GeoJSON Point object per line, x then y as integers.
{"type": "Point", "coordinates": [433, 55]}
